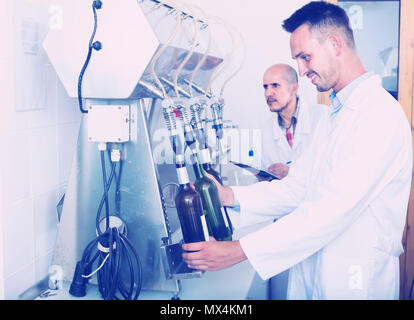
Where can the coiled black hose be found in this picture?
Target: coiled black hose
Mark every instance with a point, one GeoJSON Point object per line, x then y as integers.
{"type": "Point", "coordinates": [117, 264]}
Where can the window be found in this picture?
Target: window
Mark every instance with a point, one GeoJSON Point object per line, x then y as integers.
{"type": "Point", "coordinates": [376, 26]}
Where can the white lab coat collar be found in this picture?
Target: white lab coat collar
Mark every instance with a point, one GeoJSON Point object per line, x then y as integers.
{"type": "Point", "coordinates": [347, 91]}
{"type": "Point", "coordinates": [352, 102]}
{"type": "Point", "coordinates": [366, 85]}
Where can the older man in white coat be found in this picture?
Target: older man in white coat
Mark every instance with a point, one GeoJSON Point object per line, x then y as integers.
{"type": "Point", "coordinates": [290, 128]}
{"type": "Point", "coordinates": [343, 205]}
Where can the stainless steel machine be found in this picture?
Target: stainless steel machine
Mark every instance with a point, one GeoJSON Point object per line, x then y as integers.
{"type": "Point", "coordinates": [140, 53]}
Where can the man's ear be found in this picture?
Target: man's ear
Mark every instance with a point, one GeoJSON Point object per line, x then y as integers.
{"type": "Point", "coordinates": [295, 88]}
{"type": "Point", "coordinates": [336, 42]}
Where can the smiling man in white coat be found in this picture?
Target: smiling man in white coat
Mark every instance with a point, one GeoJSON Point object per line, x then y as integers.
{"type": "Point", "coordinates": [290, 128]}
{"type": "Point", "coordinates": [342, 208]}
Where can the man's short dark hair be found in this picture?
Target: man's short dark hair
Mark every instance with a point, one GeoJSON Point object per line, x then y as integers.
{"type": "Point", "coordinates": [321, 16]}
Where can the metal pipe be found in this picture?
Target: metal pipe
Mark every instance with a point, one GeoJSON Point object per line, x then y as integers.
{"type": "Point", "coordinates": [197, 88]}
{"type": "Point", "coordinates": [180, 90]}
{"type": "Point", "coordinates": [151, 88]}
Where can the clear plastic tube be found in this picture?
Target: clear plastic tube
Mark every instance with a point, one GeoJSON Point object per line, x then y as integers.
{"type": "Point", "coordinates": [240, 66]}
{"type": "Point", "coordinates": [220, 69]}
{"type": "Point", "coordinates": [164, 47]}
{"type": "Point", "coordinates": [206, 53]}
{"type": "Point", "coordinates": [190, 53]}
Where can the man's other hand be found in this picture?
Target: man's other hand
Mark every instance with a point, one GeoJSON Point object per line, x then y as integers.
{"type": "Point", "coordinates": [280, 170]}
{"type": "Point", "coordinates": [212, 255]}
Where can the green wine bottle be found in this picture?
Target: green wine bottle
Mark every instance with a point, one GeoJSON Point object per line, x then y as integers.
{"type": "Point", "coordinates": [217, 221]}
{"type": "Point", "coordinates": [206, 163]}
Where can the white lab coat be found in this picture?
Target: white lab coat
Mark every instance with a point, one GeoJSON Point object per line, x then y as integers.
{"type": "Point", "coordinates": [343, 205]}
{"type": "Point", "coordinates": [276, 149]}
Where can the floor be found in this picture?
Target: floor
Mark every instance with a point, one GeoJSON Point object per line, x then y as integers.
{"type": "Point", "coordinates": [239, 282]}
{"type": "Point", "coordinates": [93, 294]}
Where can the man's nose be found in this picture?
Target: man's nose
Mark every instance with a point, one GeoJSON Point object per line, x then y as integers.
{"type": "Point", "coordinates": [268, 94]}
{"type": "Point", "coordinates": [268, 91]}
{"type": "Point", "coordinates": [302, 69]}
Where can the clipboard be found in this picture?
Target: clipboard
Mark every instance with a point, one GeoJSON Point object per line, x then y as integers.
{"type": "Point", "coordinates": [255, 171]}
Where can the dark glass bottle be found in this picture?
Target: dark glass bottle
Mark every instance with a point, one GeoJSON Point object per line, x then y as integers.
{"type": "Point", "coordinates": [217, 221]}
{"type": "Point", "coordinates": [190, 210]}
{"type": "Point", "coordinates": [206, 163]}
{"type": "Point", "coordinates": [209, 169]}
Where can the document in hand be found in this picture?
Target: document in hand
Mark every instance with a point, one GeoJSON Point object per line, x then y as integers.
{"type": "Point", "coordinates": [255, 171]}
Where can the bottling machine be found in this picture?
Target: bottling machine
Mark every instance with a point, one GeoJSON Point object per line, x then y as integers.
{"type": "Point", "coordinates": [123, 175]}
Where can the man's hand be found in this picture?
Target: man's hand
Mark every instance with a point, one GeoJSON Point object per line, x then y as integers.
{"type": "Point", "coordinates": [225, 193]}
{"type": "Point", "coordinates": [213, 255]}
{"type": "Point", "coordinates": [280, 170]}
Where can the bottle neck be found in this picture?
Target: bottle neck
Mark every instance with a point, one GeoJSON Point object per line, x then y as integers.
{"type": "Point", "coordinates": [205, 159]}
{"type": "Point", "coordinates": [207, 166]}
{"type": "Point", "coordinates": [198, 170]}
{"type": "Point", "coordinates": [182, 175]}
{"type": "Point", "coordinates": [205, 156]}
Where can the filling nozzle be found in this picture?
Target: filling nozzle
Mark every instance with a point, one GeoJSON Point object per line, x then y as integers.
{"type": "Point", "coordinates": [196, 110]}
{"type": "Point", "coordinates": [216, 111]}
{"type": "Point", "coordinates": [169, 112]}
{"type": "Point", "coordinates": [204, 110]}
{"type": "Point", "coordinates": [216, 107]}
{"type": "Point", "coordinates": [189, 135]}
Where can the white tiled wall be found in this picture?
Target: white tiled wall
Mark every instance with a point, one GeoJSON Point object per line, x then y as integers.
{"type": "Point", "coordinates": [37, 146]}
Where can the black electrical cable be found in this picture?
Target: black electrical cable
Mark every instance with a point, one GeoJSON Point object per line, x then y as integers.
{"type": "Point", "coordinates": [116, 261]}
{"type": "Point", "coordinates": [97, 4]}
{"type": "Point", "coordinates": [118, 189]}
{"type": "Point", "coordinates": [106, 187]}
{"type": "Point", "coordinates": [110, 249]}
{"type": "Point", "coordinates": [109, 276]}
{"type": "Point", "coordinates": [103, 199]}
{"type": "Point", "coordinates": [118, 186]}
